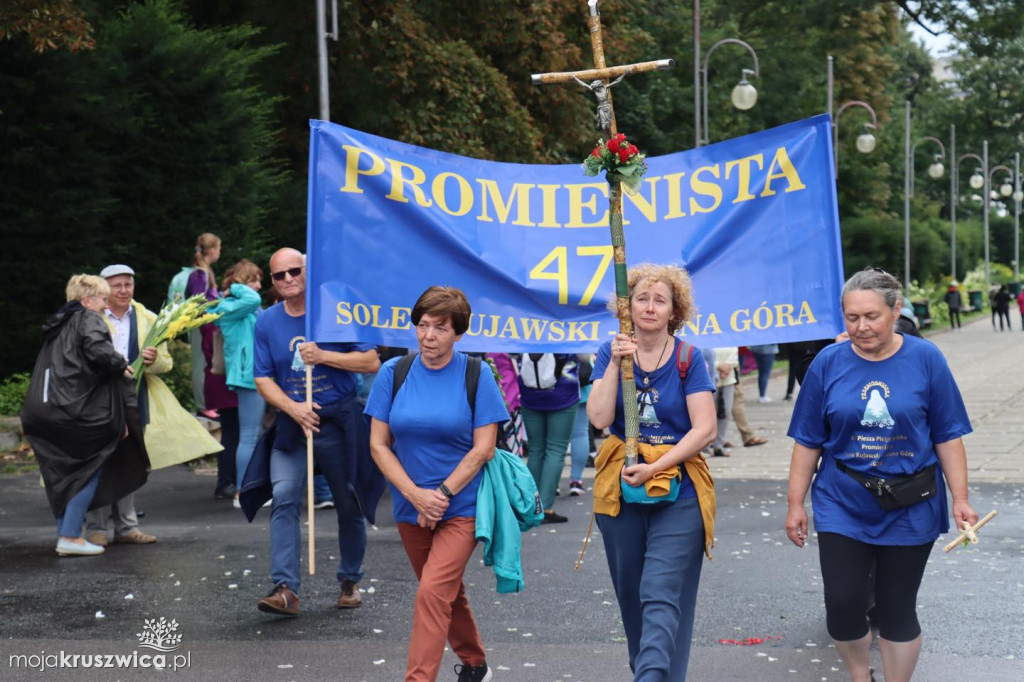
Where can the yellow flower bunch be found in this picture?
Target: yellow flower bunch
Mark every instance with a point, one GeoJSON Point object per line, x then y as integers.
{"type": "Point", "coordinates": [175, 319]}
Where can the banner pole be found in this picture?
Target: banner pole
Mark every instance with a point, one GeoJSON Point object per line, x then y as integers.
{"type": "Point", "coordinates": [309, 476]}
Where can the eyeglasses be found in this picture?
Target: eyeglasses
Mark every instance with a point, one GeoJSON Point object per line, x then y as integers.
{"type": "Point", "coordinates": [279, 276]}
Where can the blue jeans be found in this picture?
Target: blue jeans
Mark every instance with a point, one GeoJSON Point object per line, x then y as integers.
{"type": "Point", "coordinates": [288, 476]}
{"type": "Point", "coordinates": [579, 448]}
{"type": "Point", "coordinates": [321, 489]}
{"type": "Point", "coordinates": [70, 525]}
{"type": "Point", "coordinates": [655, 554]}
{"type": "Point", "coordinates": [764, 371]}
{"type": "Point", "coordinates": [251, 407]}
{"type": "Point", "coordinates": [549, 434]}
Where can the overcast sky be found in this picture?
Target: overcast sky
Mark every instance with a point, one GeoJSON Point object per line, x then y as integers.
{"type": "Point", "coordinates": [937, 45]}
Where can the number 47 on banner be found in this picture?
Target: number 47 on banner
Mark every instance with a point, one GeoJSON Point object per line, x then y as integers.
{"type": "Point", "coordinates": [558, 257]}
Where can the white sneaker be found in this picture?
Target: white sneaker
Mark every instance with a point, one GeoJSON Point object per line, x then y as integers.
{"type": "Point", "coordinates": [764, 399]}
{"type": "Point", "coordinates": [66, 548]}
{"type": "Point", "coordinates": [236, 503]}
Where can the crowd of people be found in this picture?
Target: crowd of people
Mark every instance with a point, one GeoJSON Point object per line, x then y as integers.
{"type": "Point", "coordinates": [429, 424]}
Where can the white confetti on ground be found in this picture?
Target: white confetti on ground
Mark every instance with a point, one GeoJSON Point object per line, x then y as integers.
{"type": "Point", "coordinates": [221, 557]}
{"type": "Point", "coordinates": [232, 587]}
{"type": "Point", "coordinates": [177, 583]}
{"type": "Point", "coordinates": [100, 614]}
{"type": "Point", "coordinates": [380, 661]}
{"type": "Point", "coordinates": [129, 596]}
{"type": "Point", "coordinates": [247, 572]}
{"type": "Point", "coordinates": [227, 572]}
{"type": "Point", "coordinates": [527, 634]}
{"type": "Point", "coordinates": [285, 665]}
{"type": "Point", "coordinates": [250, 556]}
{"type": "Point", "coordinates": [370, 590]}
{"type": "Point", "coordinates": [529, 665]}
{"type": "Point", "coordinates": [377, 631]}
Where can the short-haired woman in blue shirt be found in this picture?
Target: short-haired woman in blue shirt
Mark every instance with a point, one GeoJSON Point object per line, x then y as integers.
{"type": "Point", "coordinates": [432, 447]}
{"type": "Point", "coordinates": [886, 406]}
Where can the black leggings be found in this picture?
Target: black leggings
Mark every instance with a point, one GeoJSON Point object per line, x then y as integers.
{"type": "Point", "coordinates": [846, 566]}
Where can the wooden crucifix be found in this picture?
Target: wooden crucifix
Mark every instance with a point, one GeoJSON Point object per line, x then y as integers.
{"type": "Point", "coordinates": [597, 81]}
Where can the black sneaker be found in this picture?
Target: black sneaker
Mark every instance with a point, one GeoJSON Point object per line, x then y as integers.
{"type": "Point", "coordinates": [552, 517]}
{"type": "Point", "coordinates": [469, 673]}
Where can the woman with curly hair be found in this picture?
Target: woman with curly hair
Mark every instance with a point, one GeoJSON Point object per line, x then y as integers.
{"type": "Point", "coordinates": [657, 516]}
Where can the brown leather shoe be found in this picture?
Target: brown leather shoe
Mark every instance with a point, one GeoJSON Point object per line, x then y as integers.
{"type": "Point", "coordinates": [281, 601]}
{"type": "Point", "coordinates": [98, 539]}
{"type": "Point", "coordinates": [135, 537]}
{"type": "Point", "coordinates": [350, 597]}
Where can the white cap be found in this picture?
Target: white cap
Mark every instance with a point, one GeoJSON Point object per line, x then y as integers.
{"type": "Point", "coordinates": [114, 270]}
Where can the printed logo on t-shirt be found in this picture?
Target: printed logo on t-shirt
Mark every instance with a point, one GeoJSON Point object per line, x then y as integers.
{"type": "Point", "coordinates": [645, 406]}
{"type": "Point", "coordinates": [876, 412]}
{"type": "Point", "coordinates": [297, 364]}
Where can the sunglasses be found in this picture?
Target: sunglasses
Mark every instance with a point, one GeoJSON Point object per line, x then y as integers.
{"type": "Point", "coordinates": [279, 276]}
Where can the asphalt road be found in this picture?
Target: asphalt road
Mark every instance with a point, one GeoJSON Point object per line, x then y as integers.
{"type": "Point", "coordinates": [210, 567]}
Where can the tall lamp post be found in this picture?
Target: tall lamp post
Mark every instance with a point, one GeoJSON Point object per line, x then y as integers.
{"type": "Point", "coordinates": [1018, 195]}
{"type": "Point", "coordinates": [866, 140]}
{"type": "Point", "coordinates": [935, 170]}
{"type": "Point", "coordinates": [744, 95]}
{"type": "Point", "coordinates": [321, 52]}
{"type": "Point", "coordinates": [976, 181]}
{"type": "Point", "coordinates": [1006, 190]}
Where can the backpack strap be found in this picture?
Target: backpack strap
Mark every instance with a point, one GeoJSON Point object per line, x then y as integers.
{"type": "Point", "coordinates": [683, 364]}
{"type": "Point", "coordinates": [403, 366]}
{"type": "Point", "coordinates": [401, 371]}
{"type": "Point", "coordinates": [472, 379]}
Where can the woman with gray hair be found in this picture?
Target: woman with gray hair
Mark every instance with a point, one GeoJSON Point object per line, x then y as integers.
{"type": "Point", "coordinates": [76, 418]}
{"type": "Point", "coordinates": [878, 425]}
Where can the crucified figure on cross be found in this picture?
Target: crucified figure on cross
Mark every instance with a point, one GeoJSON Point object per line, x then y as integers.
{"type": "Point", "coordinates": [596, 80]}
{"type": "Point", "coordinates": [605, 113]}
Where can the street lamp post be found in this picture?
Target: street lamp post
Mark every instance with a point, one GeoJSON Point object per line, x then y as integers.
{"type": "Point", "coordinates": [1018, 196]}
{"type": "Point", "coordinates": [321, 52]}
{"type": "Point", "coordinates": [866, 140]}
{"type": "Point", "coordinates": [744, 95]}
{"type": "Point", "coordinates": [1005, 190]}
{"type": "Point", "coordinates": [978, 180]}
{"type": "Point", "coordinates": [935, 170]}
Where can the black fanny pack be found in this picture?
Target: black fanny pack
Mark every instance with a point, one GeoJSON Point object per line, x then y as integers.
{"type": "Point", "coordinates": [896, 492]}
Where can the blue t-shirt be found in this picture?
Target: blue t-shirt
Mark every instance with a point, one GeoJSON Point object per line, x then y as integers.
{"type": "Point", "coordinates": [881, 419]}
{"type": "Point", "coordinates": [664, 419]}
{"type": "Point", "coordinates": [276, 340]}
{"type": "Point", "coordinates": [432, 425]}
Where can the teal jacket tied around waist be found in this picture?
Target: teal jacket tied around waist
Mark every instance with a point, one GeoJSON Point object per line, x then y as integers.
{"type": "Point", "coordinates": [507, 503]}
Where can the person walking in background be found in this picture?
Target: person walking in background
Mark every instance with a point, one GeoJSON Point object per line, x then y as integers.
{"type": "Point", "coordinates": [432, 445]}
{"type": "Point", "coordinates": [882, 406]}
{"type": "Point", "coordinates": [221, 403]}
{"type": "Point", "coordinates": [549, 388]}
{"type": "Point", "coordinates": [129, 323]}
{"type": "Point", "coordinates": [80, 415]}
{"type": "Point", "coordinates": [580, 445]}
{"type": "Point", "coordinates": [657, 516]}
{"type": "Point", "coordinates": [1002, 300]}
{"type": "Point", "coordinates": [511, 434]}
{"type": "Point", "coordinates": [1020, 307]}
{"type": "Point", "coordinates": [764, 355]}
{"type": "Point", "coordinates": [954, 301]}
{"type": "Point", "coordinates": [238, 312]}
{"type": "Point", "coordinates": [727, 369]}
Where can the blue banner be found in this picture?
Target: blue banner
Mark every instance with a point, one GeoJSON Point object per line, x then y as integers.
{"type": "Point", "coordinates": [754, 220]}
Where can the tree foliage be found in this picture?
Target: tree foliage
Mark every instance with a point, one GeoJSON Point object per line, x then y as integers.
{"type": "Point", "coordinates": [125, 154]}
{"type": "Point", "coordinates": [47, 24]}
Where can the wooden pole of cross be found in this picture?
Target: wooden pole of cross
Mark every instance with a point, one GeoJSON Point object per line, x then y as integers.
{"type": "Point", "coordinates": [599, 84]}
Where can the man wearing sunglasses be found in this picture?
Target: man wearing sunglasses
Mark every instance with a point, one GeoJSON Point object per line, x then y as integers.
{"type": "Point", "coordinates": [340, 438]}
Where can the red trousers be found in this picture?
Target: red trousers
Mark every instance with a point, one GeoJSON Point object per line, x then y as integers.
{"type": "Point", "coordinates": [441, 612]}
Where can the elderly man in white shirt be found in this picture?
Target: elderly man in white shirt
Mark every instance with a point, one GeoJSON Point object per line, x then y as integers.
{"type": "Point", "coordinates": [128, 331]}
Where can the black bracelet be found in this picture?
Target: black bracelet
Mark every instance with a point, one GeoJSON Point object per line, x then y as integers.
{"type": "Point", "coordinates": [444, 490]}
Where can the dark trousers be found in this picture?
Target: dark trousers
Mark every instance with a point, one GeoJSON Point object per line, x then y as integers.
{"type": "Point", "coordinates": [655, 554]}
{"type": "Point", "coordinates": [954, 318]}
{"type": "Point", "coordinates": [846, 567]}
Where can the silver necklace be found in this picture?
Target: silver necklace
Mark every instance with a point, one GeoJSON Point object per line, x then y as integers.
{"type": "Point", "coordinates": [647, 375]}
